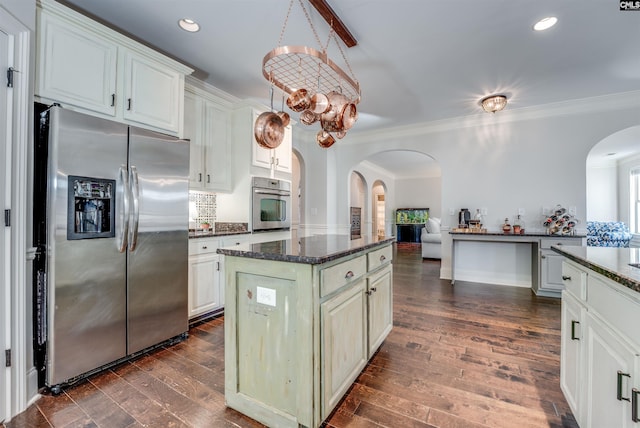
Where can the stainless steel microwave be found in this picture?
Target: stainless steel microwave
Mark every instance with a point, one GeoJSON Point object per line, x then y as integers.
{"type": "Point", "coordinates": [271, 204]}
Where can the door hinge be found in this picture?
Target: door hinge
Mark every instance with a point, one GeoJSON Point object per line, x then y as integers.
{"type": "Point", "coordinates": [7, 218]}
{"type": "Point", "coordinates": [7, 358]}
{"type": "Point", "coordinates": [10, 72]}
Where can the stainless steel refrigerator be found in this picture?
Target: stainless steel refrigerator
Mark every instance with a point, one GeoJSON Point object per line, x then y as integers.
{"type": "Point", "coordinates": [111, 228]}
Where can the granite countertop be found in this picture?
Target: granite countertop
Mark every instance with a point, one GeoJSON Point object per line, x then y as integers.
{"type": "Point", "coordinates": [313, 250]}
{"type": "Point", "coordinates": [533, 234]}
{"type": "Point", "coordinates": [608, 261]}
{"type": "Point", "coordinates": [201, 233]}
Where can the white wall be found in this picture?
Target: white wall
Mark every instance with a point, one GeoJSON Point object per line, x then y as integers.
{"type": "Point", "coordinates": [602, 193]}
{"type": "Point", "coordinates": [624, 169]}
{"type": "Point", "coordinates": [528, 158]}
{"type": "Point", "coordinates": [420, 192]}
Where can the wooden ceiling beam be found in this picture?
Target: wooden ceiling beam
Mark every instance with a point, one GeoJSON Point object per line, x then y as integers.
{"type": "Point", "coordinates": [334, 21]}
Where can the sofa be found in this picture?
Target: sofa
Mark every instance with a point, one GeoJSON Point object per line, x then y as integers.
{"type": "Point", "coordinates": [431, 239]}
{"type": "Point", "coordinates": [608, 234]}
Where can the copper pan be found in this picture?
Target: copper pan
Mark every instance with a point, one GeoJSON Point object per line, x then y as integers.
{"type": "Point", "coordinates": [319, 103]}
{"type": "Point", "coordinates": [268, 130]}
{"type": "Point", "coordinates": [348, 116]}
{"type": "Point", "coordinates": [308, 117]}
{"type": "Point", "coordinates": [299, 100]}
{"type": "Point", "coordinates": [324, 139]}
{"type": "Point", "coordinates": [284, 117]}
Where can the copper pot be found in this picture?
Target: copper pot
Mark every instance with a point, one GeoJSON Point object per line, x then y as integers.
{"type": "Point", "coordinates": [348, 116]}
{"type": "Point", "coordinates": [308, 117]}
{"type": "Point", "coordinates": [336, 103]}
{"type": "Point", "coordinates": [299, 100]}
{"type": "Point", "coordinates": [324, 139]}
{"type": "Point", "coordinates": [268, 130]}
{"type": "Point", "coordinates": [319, 103]}
{"type": "Point", "coordinates": [284, 116]}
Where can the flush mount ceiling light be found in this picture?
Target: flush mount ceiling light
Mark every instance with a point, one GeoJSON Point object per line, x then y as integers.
{"type": "Point", "coordinates": [189, 25]}
{"type": "Point", "coordinates": [493, 103]}
{"type": "Point", "coordinates": [545, 23]}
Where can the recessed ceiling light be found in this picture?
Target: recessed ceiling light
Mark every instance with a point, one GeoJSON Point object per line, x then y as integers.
{"type": "Point", "coordinates": [189, 25]}
{"type": "Point", "coordinates": [545, 23]}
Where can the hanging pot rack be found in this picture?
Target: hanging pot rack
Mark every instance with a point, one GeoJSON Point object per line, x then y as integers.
{"type": "Point", "coordinates": [293, 67]}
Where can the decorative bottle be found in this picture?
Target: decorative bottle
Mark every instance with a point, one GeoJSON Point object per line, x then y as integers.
{"type": "Point", "coordinates": [506, 227]}
{"type": "Point", "coordinates": [517, 225]}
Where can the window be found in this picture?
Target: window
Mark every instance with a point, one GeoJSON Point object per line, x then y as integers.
{"type": "Point", "coordinates": [634, 202]}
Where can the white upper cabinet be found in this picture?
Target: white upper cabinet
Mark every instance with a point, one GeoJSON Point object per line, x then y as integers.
{"type": "Point", "coordinates": [153, 92]}
{"type": "Point", "coordinates": [76, 66]}
{"type": "Point", "coordinates": [86, 66]}
{"type": "Point", "coordinates": [207, 124]}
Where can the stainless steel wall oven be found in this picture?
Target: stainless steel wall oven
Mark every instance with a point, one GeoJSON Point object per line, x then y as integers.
{"type": "Point", "coordinates": [271, 204]}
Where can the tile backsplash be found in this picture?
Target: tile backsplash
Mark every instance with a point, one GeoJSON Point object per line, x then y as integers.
{"type": "Point", "coordinates": [202, 208]}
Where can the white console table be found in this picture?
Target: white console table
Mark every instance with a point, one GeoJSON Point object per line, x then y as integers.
{"type": "Point", "coordinates": [546, 265]}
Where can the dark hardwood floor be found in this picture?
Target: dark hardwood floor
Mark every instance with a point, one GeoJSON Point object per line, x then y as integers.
{"type": "Point", "coordinates": [472, 355]}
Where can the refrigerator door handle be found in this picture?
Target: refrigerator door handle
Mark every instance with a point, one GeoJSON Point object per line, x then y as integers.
{"type": "Point", "coordinates": [135, 214]}
{"type": "Point", "coordinates": [122, 239]}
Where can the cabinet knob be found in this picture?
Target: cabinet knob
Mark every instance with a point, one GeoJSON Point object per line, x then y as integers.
{"type": "Point", "coordinates": [543, 257]}
{"type": "Point", "coordinates": [374, 289]}
{"type": "Point", "coordinates": [204, 247]}
{"type": "Point", "coordinates": [382, 258]}
{"type": "Point", "coordinates": [566, 278]}
{"type": "Point", "coordinates": [349, 275]}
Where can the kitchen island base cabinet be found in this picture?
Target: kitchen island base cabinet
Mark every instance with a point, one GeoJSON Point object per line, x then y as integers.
{"type": "Point", "coordinates": [600, 349]}
{"type": "Point", "coordinates": [298, 334]}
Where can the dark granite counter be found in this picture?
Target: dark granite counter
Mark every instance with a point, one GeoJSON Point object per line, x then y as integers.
{"type": "Point", "coordinates": [201, 233]}
{"type": "Point", "coordinates": [607, 261]}
{"type": "Point", "coordinates": [533, 234]}
{"type": "Point", "coordinates": [313, 250]}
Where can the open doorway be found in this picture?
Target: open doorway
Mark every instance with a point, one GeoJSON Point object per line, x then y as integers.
{"type": "Point", "coordinates": [378, 198]}
{"type": "Point", "coordinates": [358, 205]}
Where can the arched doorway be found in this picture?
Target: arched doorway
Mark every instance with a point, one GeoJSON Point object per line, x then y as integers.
{"type": "Point", "coordinates": [378, 209]}
{"type": "Point", "coordinates": [358, 205]}
{"type": "Point", "coordinates": [298, 194]}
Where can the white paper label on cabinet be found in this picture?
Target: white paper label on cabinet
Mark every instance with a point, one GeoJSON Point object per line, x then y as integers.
{"type": "Point", "coordinates": [266, 296]}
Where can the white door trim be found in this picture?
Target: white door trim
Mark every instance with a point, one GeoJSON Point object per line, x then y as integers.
{"type": "Point", "coordinates": [21, 160]}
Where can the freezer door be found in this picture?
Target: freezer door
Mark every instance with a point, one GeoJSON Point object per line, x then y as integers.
{"type": "Point", "coordinates": [158, 244]}
{"type": "Point", "coordinates": [86, 277]}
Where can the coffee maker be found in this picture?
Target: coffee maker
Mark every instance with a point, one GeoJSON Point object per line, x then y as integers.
{"type": "Point", "coordinates": [463, 218]}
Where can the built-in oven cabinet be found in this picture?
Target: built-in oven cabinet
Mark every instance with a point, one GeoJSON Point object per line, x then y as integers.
{"type": "Point", "coordinates": [86, 66]}
{"type": "Point", "coordinates": [207, 122]}
{"type": "Point", "coordinates": [278, 159]}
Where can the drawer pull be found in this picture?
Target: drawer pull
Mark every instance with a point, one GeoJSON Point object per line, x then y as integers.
{"type": "Point", "coordinates": [634, 405]}
{"type": "Point", "coordinates": [573, 330]}
{"type": "Point", "coordinates": [382, 258]}
{"type": "Point", "coordinates": [543, 257]}
{"type": "Point", "coordinates": [619, 394]}
{"type": "Point", "coordinates": [566, 278]}
{"type": "Point", "coordinates": [204, 247]}
{"type": "Point", "coordinates": [349, 275]}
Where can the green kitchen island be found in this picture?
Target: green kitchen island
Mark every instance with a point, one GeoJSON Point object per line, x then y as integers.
{"type": "Point", "coordinates": [302, 319]}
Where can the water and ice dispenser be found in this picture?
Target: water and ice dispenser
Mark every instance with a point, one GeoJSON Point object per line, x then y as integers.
{"type": "Point", "coordinates": [91, 208]}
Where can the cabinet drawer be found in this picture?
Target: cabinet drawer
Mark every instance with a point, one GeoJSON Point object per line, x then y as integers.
{"type": "Point", "coordinates": [614, 304]}
{"type": "Point", "coordinates": [575, 280]}
{"type": "Point", "coordinates": [198, 246]}
{"type": "Point", "coordinates": [380, 257]}
{"type": "Point", "coordinates": [548, 242]}
{"type": "Point", "coordinates": [334, 277]}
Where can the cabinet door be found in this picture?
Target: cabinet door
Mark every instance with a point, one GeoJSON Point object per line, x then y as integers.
{"type": "Point", "coordinates": [282, 155]}
{"type": "Point", "coordinates": [610, 377]}
{"type": "Point", "coordinates": [380, 308]}
{"type": "Point", "coordinates": [152, 93]}
{"type": "Point", "coordinates": [571, 354]}
{"type": "Point", "coordinates": [204, 284]}
{"type": "Point", "coordinates": [344, 348]}
{"type": "Point", "coordinates": [551, 270]}
{"type": "Point", "coordinates": [217, 148]}
{"type": "Point", "coordinates": [75, 67]}
{"type": "Point", "coordinates": [192, 132]}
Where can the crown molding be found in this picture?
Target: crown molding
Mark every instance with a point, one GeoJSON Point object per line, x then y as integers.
{"type": "Point", "coordinates": [610, 102]}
